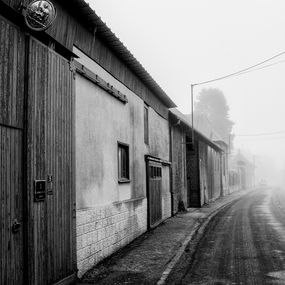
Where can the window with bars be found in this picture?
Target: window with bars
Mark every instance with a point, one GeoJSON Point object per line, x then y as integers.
{"type": "Point", "coordinates": [155, 172]}
{"type": "Point", "coordinates": [123, 163]}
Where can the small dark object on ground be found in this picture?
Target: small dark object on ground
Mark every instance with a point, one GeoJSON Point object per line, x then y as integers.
{"type": "Point", "coordinates": [181, 207]}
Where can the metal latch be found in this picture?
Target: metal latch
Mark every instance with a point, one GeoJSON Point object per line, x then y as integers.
{"type": "Point", "coordinates": [50, 185]}
{"type": "Point", "coordinates": [16, 227]}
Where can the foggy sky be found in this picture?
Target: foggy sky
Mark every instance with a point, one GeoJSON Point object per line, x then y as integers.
{"type": "Point", "coordinates": [189, 41]}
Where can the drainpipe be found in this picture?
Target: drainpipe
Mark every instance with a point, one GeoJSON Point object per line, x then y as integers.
{"type": "Point", "coordinates": [170, 158]}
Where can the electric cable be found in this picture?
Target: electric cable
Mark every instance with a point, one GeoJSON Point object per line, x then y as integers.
{"type": "Point", "coordinates": [240, 71]}
{"type": "Point", "coordinates": [263, 67]}
{"type": "Point", "coordinates": [260, 134]}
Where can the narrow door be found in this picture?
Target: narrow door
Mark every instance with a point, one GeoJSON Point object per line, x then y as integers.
{"type": "Point", "coordinates": [154, 193]}
{"type": "Point", "coordinates": [12, 47]}
{"type": "Point", "coordinates": [50, 161]}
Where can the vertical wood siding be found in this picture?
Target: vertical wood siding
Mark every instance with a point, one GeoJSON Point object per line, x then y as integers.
{"type": "Point", "coordinates": [50, 143]}
{"type": "Point", "coordinates": [193, 177]}
{"type": "Point", "coordinates": [50, 154]}
{"type": "Point", "coordinates": [37, 212]}
{"type": "Point", "coordinates": [11, 136]}
{"type": "Point", "coordinates": [11, 244]}
{"type": "Point", "coordinates": [59, 165]}
{"type": "Point", "coordinates": [12, 75]}
{"type": "Point", "coordinates": [179, 178]}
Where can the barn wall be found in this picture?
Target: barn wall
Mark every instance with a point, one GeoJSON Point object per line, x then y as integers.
{"type": "Point", "coordinates": [158, 146]}
{"type": "Point", "coordinates": [101, 122]}
{"type": "Point", "coordinates": [70, 29]}
{"type": "Point", "coordinates": [179, 182]}
{"type": "Point", "coordinates": [111, 214]}
{"type": "Point", "coordinates": [205, 171]}
{"type": "Point", "coordinates": [193, 179]}
{"type": "Point", "coordinates": [214, 174]}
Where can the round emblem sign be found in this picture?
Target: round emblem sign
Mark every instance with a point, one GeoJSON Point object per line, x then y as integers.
{"type": "Point", "coordinates": [40, 15]}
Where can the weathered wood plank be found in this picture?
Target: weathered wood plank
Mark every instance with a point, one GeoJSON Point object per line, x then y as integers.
{"type": "Point", "coordinates": [11, 80]}
{"type": "Point", "coordinates": [60, 164]}
{"type": "Point", "coordinates": [50, 97]}
{"type": "Point", "coordinates": [154, 193]}
{"type": "Point", "coordinates": [11, 125]}
{"type": "Point", "coordinates": [11, 258]}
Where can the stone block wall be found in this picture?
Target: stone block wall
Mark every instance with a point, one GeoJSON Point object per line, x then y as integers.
{"type": "Point", "coordinates": [166, 205]}
{"type": "Point", "coordinates": [105, 229]}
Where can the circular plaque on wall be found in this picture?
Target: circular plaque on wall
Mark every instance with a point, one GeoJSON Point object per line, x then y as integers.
{"type": "Point", "coordinates": [40, 15]}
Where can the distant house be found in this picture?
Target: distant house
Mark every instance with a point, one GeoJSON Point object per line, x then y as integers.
{"type": "Point", "coordinates": [241, 174]}
{"type": "Point", "coordinates": [204, 126]}
{"type": "Point", "coordinates": [197, 170]}
{"type": "Point", "coordinates": [224, 166]}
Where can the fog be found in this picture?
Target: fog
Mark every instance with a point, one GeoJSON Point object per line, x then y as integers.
{"type": "Point", "coordinates": [187, 41]}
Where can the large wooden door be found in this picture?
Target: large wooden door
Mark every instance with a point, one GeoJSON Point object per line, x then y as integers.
{"type": "Point", "coordinates": [12, 61]}
{"type": "Point", "coordinates": [154, 181]}
{"type": "Point", "coordinates": [37, 232]}
{"type": "Point", "coordinates": [50, 161]}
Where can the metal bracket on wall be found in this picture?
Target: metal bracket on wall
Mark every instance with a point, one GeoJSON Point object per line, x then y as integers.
{"type": "Point", "coordinates": [95, 78]}
{"type": "Point", "coordinates": [72, 68]}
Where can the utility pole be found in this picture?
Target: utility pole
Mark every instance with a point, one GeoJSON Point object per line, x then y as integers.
{"type": "Point", "coordinates": [192, 114]}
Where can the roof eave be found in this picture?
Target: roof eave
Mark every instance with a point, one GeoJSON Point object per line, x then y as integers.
{"type": "Point", "coordinates": [121, 50]}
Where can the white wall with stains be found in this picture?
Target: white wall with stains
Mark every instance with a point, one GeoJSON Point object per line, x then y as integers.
{"type": "Point", "coordinates": [111, 214]}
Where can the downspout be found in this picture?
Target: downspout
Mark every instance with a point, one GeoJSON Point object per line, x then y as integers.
{"type": "Point", "coordinates": [171, 160]}
{"type": "Point", "coordinates": [170, 170]}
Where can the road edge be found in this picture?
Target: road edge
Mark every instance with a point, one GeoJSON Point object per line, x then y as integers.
{"type": "Point", "coordinates": [198, 230]}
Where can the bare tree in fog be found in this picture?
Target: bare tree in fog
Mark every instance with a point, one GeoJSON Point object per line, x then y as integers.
{"type": "Point", "coordinates": [212, 105]}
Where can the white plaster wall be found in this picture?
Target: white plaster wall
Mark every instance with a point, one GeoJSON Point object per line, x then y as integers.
{"type": "Point", "coordinates": [105, 221]}
{"type": "Point", "coordinates": [102, 121]}
{"type": "Point", "coordinates": [158, 135]}
{"type": "Point", "coordinates": [109, 215]}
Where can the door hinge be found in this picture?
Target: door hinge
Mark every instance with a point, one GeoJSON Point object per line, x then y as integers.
{"type": "Point", "coordinates": [72, 68]}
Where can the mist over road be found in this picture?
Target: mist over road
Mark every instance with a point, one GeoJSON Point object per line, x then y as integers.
{"type": "Point", "coordinates": [243, 244]}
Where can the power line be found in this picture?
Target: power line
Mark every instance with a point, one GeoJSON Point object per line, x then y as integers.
{"type": "Point", "coordinates": [263, 67]}
{"type": "Point", "coordinates": [240, 71]}
{"type": "Point", "coordinates": [261, 134]}
{"type": "Point", "coordinates": [261, 140]}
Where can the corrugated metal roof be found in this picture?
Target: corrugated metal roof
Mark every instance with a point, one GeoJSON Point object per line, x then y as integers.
{"type": "Point", "coordinates": [204, 126]}
{"type": "Point", "coordinates": [90, 16]}
{"type": "Point", "coordinates": [186, 121]}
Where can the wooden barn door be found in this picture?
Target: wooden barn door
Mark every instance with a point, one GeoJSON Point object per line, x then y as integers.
{"type": "Point", "coordinates": [12, 62]}
{"type": "Point", "coordinates": [50, 161]}
{"type": "Point", "coordinates": [154, 182]}
{"type": "Point", "coordinates": [37, 230]}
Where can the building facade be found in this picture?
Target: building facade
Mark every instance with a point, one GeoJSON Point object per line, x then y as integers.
{"type": "Point", "coordinates": [84, 143]}
{"type": "Point", "coordinates": [122, 164]}
{"type": "Point", "coordinates": [90, 156]}
{"type": "Point", "coordinates": [197, 169]}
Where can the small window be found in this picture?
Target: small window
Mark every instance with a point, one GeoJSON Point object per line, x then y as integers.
{"type": "Point", "coordinates": [155, 172]}
{"type": "Point", "coordinates": [123, 163]}
{"type": "Point", "coordinates": [146, 125]}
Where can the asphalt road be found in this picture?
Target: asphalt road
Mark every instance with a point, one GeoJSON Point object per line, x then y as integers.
{"type": "Point", "coordinates": [243, 244]}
